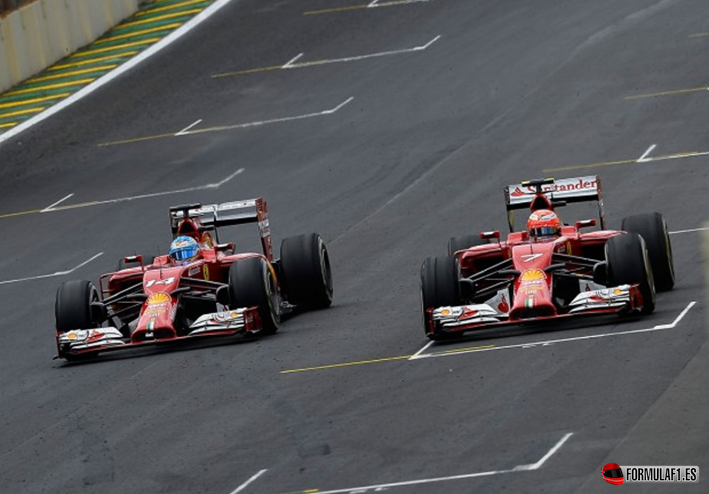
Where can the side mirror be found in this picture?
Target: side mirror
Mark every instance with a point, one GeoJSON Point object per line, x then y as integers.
{"type": "Point", "coordinates": [585, 224]}
{"type": "Point", "coordinates": [134, 260]}
{"type": "Point", "coordinates": [490, 235]}
{"type": "Point", "coordinates": [227, 248]}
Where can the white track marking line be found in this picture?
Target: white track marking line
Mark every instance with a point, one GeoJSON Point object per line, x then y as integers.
{"type": "Point", "coordinates": [147, 196]}
{"type": "Point", "coordinates": [267, 122]}
{"type": "Point", "coordinates": [363, 57]}
{"type": "Point", "coordinates": [102, 81]}
{"type": "Point", "coordinates": [642, 159]}
{"type": "Point", "coordinates": [49, 208]}
{"type": "Point", "coordinates": [677, 319]}
{"type": "Point", "coordinates": [222, 182]}
{"type": "Point", "coordinates": [678, 156]}
{"type": "Point", "coordinates": [52, 275]}
{"type": "Point", "coordinates": [382, 487]}
{"type": "Point", "coordinates": [248, 482]}
{"type": "Point", "coordinates": [289, 64]}
{"type": "Point", "coordinates": [543, 459]}
{"type": "Point", "coordinates": [543, 343]}
{"type": "Point", "coordinates": [427, 45]}
{"type": "Point", "coordinates": [415, 355]}
{"type": "Point", "coordinates": [393, 3]}
{"type": "Point", "coordinates": [188, 128]}
{"type": "Point", "coordinates": [691, 230]}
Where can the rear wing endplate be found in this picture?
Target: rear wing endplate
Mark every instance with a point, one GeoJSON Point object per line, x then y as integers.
{"type": "Point", "coordinates": [536, 194]}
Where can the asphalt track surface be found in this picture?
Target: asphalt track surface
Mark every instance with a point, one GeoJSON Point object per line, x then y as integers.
{"type": "Point", "coordinates": [508, 92]}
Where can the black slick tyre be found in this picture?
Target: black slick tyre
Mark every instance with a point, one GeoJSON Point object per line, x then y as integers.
{"type": "Point", "coordinates": [306, 272]}
{"type": "Point", "coordinates": [653, 229]}
{"type": "Point", "coordinates": [251, 283]}
{"type": "Point", "coordinates": [463, 242]}
{"type": "Point", "coordinates": [72, 308]}
{"type": "Point", "coordinates": [439, 288]}
{"type": "Point", "coordinates": [628, 263]}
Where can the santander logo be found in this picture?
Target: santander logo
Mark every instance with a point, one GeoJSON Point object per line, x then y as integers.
{"type": "Point", "coordinates": [560, 186]}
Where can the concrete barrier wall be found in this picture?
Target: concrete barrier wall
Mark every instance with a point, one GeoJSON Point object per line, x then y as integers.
{"type": "Point", "coordinates": [43, 32]}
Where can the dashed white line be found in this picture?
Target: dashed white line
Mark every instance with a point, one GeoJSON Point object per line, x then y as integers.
{"type": "Point", "coordinates": [249, 482]}
{"type": "Point", "coordinates": [182, 132]}
{"type": "Point", "coordinates": [49, 208]}
{"type": "Point", "coordinates": [642, 159]}
{"type": "Point", "coordinates": [52, 275]}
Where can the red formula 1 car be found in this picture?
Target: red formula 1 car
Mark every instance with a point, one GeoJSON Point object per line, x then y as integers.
{"type": "Point", "coordinates": [213, 292]}
{"type": "Point", "coordinates": [548, 272]}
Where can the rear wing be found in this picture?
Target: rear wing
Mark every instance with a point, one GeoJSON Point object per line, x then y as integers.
{"type": "Point", "coordinates": [550, 193]}
{"type": "Point", "coordinates": [213, 216]}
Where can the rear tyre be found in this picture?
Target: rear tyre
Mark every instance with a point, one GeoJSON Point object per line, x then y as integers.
{"type": "Point", "coordinates": [653, 229]}
{"type": "Point", "coordinates": [72, 308]}
{"type": "Point", "coordinates": [463, 242]}
{"type": "Point", "coordinates": [439, 287]}
{"type": "Point", "coordinates": [252, 283]}
{"type": "Point", "coordinates": [628, 263]}
{"type": "Point", "coordinates": [307, 276]}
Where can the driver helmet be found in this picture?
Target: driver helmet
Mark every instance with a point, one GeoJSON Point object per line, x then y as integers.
{"type": "Point", "coordinates": [544, 223]}
{"type": "Point", "coordinates": [184, 249]}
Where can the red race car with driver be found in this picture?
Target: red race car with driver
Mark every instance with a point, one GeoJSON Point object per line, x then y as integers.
{"type": "Point", "coordinates": [550, 270]}
{"type": "Point", "coordinates": [201, 288]}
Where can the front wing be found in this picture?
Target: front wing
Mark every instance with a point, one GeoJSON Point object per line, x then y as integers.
{"type": "Point", "coordinates": [624, 299]}
{"type": "Point", "coordinates": [84, 342]}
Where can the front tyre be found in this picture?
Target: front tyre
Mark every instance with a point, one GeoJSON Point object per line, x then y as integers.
{"type": "Point", "coordinates": [628, 263]}
{"type": "Point", "coordinates": [653, 229]}
{"type": "Point", "coordinates": [73, 306]}
{"type": "Point", "coordinates": [439, 288]}
{"type": "Point", "coordinates": [307, 276]}
{"type": "Point", "coordinates": [252, 283]}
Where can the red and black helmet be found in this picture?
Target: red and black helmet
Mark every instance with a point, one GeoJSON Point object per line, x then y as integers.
{"type": "Point", "coordinates": [613, 474]}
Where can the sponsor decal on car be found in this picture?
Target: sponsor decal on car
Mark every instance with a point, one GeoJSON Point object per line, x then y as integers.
{"type": "Point", "coordinates": [533, 275]}
{"type": "Point", "coordinates": [158, 298]}
{"type": "Point", "coordinates": [205, 271]}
